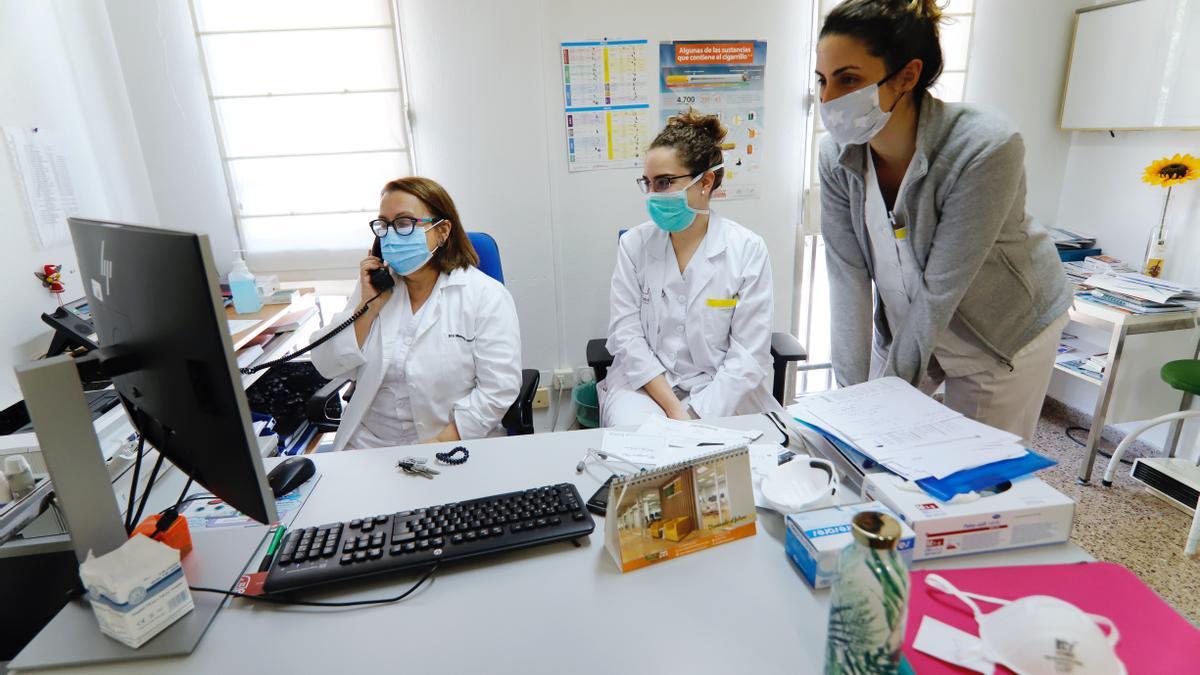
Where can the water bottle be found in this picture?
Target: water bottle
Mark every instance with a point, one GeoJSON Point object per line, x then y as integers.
{"type": "Point", "coordinates": [869, 600]}
{"type": "Point", "coordinates": [244, 289]}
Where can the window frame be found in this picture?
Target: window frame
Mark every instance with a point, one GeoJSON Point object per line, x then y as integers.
{"type": "Point", "coordinates": [401, 90]}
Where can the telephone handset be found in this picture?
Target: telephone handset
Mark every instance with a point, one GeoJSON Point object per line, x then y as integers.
{"type": "Point", "coordinates": [381, 279]}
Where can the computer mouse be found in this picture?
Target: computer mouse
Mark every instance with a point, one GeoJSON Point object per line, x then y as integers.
{"type": "Point", "coordinates": [290, 474]}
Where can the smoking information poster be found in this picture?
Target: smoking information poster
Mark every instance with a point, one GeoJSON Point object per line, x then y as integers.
{"type": "Point", "coordinates": [723, 78]}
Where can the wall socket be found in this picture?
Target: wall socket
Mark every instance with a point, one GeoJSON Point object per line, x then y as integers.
{"type": "Point", "coordinates": [541, 398]}
{"type": "Point", "coordinates": [565, 377]}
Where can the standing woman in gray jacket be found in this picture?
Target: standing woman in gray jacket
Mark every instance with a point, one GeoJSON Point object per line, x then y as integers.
{"type": "Point", "coordinates": [926, 200]}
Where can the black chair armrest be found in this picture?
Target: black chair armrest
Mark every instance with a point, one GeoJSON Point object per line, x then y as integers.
{"type": "Point", "coordinates": [598, 357]}
{"type": "Point", "coordinates": [519, 418]}
{"type": "Point", "coordinates": [322, 401]}
{"type": "Point", "coordinates": [785, 349]}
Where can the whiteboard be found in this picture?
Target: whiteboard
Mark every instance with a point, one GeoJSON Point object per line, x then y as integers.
{"type": "Point", "coordinates": [1134, 66]}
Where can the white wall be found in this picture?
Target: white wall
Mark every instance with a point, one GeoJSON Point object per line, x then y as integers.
{"type": "Point", "coordinates": [1102, 193]}
{"type": "Point", "coordinates": [160, 60]}
{"type": "Point", "coordinates": [1018, 64]}
{"type": "Point", "coordinates": [487, 95]}
{"type": "Point", "coordinates": [59, 72]}
{"type": "Point", "coordinates": [1089, 181]}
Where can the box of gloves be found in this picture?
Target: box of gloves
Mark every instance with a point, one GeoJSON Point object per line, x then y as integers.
{"type": "Point", "coordinates": [816, 538]}
{"type": "Point", "coordinates": [137, 590]}
{"type": "Point", "coordinates": [1028, 513]}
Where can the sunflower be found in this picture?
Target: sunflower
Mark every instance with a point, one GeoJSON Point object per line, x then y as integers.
{"type": "Point", "coordinates": [1172, 171]}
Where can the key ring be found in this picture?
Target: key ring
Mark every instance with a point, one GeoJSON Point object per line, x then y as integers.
{"type": "Point", "coordinates": [450, 459]}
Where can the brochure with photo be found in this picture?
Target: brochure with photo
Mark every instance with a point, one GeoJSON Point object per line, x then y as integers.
{"type": "Point", "coordinates": [679, 509]}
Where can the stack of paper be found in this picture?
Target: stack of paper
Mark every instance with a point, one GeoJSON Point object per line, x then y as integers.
{"type": "Point", "coordinates": [660, 441]}
{"type": "Point", "coordinates": [906, 431]}
{"type": "Point", "coordinates": [1140, 294]}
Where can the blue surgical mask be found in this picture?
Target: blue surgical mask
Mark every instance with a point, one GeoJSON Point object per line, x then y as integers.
{"type": "Point", "coordinates": [406, 253]}
{"type": "Point", "coordinates": [670, 210]}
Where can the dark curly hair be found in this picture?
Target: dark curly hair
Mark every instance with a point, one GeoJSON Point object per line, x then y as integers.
{"type": "Point", "coordinates": [896, 31]}
{"type": "Point", "coordinates": [696, 138]}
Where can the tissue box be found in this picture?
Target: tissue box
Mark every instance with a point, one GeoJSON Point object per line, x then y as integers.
{"type": "Point", "coordinates": [137, 590]}
{"type": "Point", "coordinates": [1027, 514]}
{"type": "Point", "coordinates": [816, 538]}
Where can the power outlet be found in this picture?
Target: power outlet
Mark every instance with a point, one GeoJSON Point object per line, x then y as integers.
{"type": "Point", "coordinates": [565, 377]}
{"type": "Point", "coordinates": [541, 398]}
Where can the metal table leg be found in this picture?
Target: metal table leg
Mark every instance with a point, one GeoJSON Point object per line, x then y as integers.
{"type": "Point", "coordinates": [1116, 346]}
{"type": "Point", "coordinates": [1176, 427]}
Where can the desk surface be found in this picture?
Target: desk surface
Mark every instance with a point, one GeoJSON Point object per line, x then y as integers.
{"type": "Point", "coordinates": [267, 316]}
{"type": "Point", "coordinates": [740, 607]}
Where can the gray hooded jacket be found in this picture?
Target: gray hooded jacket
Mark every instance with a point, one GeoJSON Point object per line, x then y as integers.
{"type": "Point", "coordinates": [983, 258]}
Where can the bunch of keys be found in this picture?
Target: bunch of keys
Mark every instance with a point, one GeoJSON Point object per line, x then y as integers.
{"type": "Point", "coordinates": [415, 466]}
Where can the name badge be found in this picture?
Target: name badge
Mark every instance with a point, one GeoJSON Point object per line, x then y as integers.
{"type": "Point", "coordinates": [722, 302]}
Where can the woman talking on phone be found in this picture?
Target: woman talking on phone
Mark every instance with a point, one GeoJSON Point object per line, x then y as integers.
{"type": "Point", "coordinates": [437, 356]}
{"type": "Point", "coordinates": [925, 200]}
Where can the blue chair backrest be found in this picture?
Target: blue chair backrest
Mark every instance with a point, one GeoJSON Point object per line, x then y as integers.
{"type": "Point", "coordinates": [489, 254]}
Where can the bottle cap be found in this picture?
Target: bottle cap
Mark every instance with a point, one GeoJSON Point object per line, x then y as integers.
{"type": "Point", "coordinates": [875, 530]}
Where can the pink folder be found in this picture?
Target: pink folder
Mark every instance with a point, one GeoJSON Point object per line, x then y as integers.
{"type": "Point", "coordinates": [1154, 637]}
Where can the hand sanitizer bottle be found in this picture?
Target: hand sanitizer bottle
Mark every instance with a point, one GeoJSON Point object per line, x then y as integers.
{"type": "Point", "coordinates": [245, 291]}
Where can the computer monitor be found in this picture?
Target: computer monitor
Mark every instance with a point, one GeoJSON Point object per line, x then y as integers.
{"type": "Point", "coordinates": [157, 307]}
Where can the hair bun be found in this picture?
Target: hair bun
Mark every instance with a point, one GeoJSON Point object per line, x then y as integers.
{"type": "Point", "coordinates": [709, 125]}
{"type": "Point", "coordinates": [926, 9]}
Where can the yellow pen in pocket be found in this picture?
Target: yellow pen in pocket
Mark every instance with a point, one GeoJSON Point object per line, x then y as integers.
{"type": "Point", "coordinates": [722, 302]}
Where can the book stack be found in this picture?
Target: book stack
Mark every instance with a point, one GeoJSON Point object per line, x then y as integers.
{"type": "Point", "coordinates": [1079, 270]}
{"type": "Point", "coordinates": [1073, 246]}
{"type": "Point", "coordinates": [1065, 239]}
{"type": "Point", "coordinates": [1105, 264]}
{"type": "Point", "coordinates": [1091, 366]}
{"type": "Point", "coordinates": [292, 321]}
{"type": "Point", "coordinates": [1138, 294]}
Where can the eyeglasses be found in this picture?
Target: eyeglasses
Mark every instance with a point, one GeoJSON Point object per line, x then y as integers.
{"type": "Point", "coordinates": [403, 225]}
{"type": "Point", "coordinates": [659, 183]}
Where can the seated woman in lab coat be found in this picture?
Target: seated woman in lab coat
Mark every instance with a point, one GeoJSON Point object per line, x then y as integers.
{"type": "Point", "coordinates": [690, 307]}
{"type": "Point", "coordinates": [436, 358]}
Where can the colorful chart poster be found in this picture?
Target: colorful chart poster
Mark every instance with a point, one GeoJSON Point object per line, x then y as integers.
{"type": "Point", "coordinates": [723, 78]}
{"type": "Point", "coordinates": [606, 89]}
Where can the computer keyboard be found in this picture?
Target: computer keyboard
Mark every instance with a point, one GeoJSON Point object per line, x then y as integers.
{"type": "Point", "coordinates": [420, 537]}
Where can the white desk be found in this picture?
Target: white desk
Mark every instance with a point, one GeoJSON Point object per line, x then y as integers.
{"type": "Point", "coordinates": [740, 607]}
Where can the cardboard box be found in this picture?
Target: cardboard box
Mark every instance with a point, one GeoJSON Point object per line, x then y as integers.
{"type": "Point", "coordinates": [1029, 513]}
{"type": "Point", "coordinates": [816, 538]}
{"type": "Point", "coordinates": [136, 591]}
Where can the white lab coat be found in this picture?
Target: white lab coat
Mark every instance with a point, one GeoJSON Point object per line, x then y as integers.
{"type": "Point", "coordinates": [732, 345]}
{"type": "Point", "coordinates": [465, 358]}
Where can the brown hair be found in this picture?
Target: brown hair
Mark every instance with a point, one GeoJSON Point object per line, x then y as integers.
{"type": "Point", "coordinates": [696, 138]}
{"type": "Point", "coordinates": [457, 252]}
{"type": "Point", "coordinates": [896, 31]}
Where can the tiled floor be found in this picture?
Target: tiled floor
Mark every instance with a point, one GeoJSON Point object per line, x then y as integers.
{"type": "Point", "coordinates": [1123, 524]}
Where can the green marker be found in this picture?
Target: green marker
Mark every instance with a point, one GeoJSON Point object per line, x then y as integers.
{"type": "Point", "coordinates": [272, 547]}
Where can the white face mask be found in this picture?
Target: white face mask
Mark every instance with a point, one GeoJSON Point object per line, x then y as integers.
{"type": "Point", "coordinates": [1041, 635]}
{"type": "Point", "coordinates": [856, 117]}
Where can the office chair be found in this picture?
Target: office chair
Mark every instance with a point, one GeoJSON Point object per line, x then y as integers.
{"type": "Point", "coordinates": [324, 408]}
{"type": "Point", "coordinates": [785, 349]}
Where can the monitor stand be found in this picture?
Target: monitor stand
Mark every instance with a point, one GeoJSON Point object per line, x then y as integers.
{"type": "Point", "coordinates": [63, 423]}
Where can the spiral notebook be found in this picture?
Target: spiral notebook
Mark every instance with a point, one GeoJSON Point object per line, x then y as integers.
{"type": "Point", "coordinates": [681, 508]}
